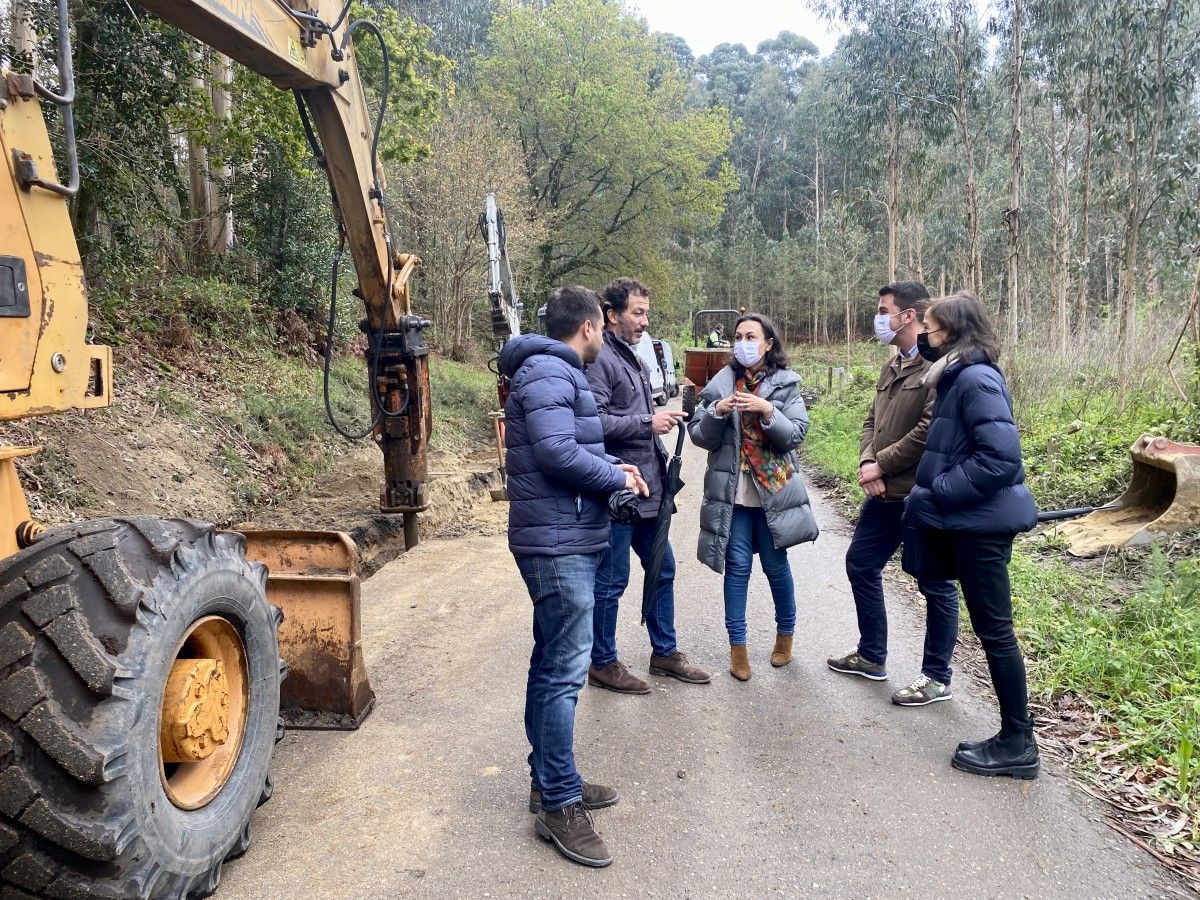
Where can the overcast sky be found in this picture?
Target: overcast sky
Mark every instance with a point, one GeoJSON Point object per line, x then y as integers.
{"type": "Point", "coordinates": [706, 23]}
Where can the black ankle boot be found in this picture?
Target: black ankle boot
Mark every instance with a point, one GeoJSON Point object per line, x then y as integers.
{"type": "Point", "coordinates": [977, 745]}
{"type": "Point", "coordinates": [1011, 752]}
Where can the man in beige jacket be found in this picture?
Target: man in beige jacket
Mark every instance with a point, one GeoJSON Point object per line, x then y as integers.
{"type": "Point", "coordinates": [892, 442]}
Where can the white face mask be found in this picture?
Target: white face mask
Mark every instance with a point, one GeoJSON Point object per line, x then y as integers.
{"type": "Point", "coordinates": [747, 352]}
{"type": "Point", "coordinates": [883, 329]}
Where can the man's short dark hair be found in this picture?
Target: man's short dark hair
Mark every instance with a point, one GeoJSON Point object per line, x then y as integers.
{"type": "Point", "coordinates": [568, 308]}
{"type": "Point", "coordinates": [617, 292]}
{"type": "Point", "coordinates": [908, 294]}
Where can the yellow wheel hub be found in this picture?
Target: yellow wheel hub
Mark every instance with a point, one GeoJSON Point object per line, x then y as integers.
{"type": "Point", "coordinates": [203, 716]}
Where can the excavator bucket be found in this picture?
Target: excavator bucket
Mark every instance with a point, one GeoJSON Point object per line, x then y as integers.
{"type": "Point", "coordinates": [1163, 497]}
{"type": "Point", "coordinates": [312, 577]}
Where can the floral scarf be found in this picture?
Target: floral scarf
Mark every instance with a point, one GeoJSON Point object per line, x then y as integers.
{"type": "Point", "coordinates": [770, 468]}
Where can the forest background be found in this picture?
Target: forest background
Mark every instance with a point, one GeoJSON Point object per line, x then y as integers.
{"type": "Point", "coordinates": [1044, 155]}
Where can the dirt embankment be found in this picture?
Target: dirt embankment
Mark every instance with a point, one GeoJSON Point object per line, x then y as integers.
{"type": "Point", "coordinates": [347, 499]}
{"type": "Point", "coordinates": [174, 444]}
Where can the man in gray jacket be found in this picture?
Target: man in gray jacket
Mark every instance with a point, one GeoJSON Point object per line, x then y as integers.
{"type": "Point", "coordinates": [621, 385]}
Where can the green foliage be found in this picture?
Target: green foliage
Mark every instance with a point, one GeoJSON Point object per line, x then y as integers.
{"type": "Point", "coordinates": [418, 78]}
{"type": "Point", "coordinates": [615, 158]}
{"type": "Point", "coordinates": [832, 441]}
{"type": "Point", "coordinates": [1133, 657]}
{"type": "Point", "coordinates": [462, 397]}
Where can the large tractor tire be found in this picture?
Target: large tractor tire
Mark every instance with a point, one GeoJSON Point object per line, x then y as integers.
{"type": "Point", "coordinates": [139, 709]}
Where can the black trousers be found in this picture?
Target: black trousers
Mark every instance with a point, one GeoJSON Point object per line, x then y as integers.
{"type": "Point", "coordinates": [981, 561]}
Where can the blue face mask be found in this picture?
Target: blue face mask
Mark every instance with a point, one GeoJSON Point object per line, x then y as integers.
{"type": "Point", "coordinates": [747, 352]}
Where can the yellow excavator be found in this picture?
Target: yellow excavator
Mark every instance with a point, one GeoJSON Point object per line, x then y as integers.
{"type": "Point", "coordinates": [142, 660]}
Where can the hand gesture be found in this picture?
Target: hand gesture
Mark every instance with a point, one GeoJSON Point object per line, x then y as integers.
{"type": "Point", "coordinates": [725, 405]}
{"type": "Point", "coordinates": [663, 422]}
{"type": "Point", "coordinates": [746, 402]}
{"type": "Point", "coordinates": [634, 480]}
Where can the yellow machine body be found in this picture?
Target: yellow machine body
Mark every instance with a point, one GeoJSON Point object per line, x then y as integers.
{"type": "Point", "coordinates": [47, 366]}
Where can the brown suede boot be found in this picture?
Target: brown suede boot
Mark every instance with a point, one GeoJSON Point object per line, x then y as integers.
{"type": "Point", "coordinates": [739, 662]}
{"type": "Point", "coordinates": [782, 654]}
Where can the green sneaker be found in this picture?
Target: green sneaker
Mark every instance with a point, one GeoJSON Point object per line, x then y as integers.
{"type": "Point", "coordinates": [853, 664]}
{"type": "Point", "coordinates": [923, 691]}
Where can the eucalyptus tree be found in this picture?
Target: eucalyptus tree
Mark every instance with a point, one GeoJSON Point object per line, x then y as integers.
{"type": "Point", "coordinates": [616, 159]}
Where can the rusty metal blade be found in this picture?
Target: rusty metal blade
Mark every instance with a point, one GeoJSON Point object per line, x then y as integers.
{"type": "Point", "coordinates": [312, 577]}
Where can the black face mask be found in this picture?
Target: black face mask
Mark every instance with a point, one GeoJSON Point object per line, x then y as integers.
{"type": "Point", "coordinates": [930, 353]}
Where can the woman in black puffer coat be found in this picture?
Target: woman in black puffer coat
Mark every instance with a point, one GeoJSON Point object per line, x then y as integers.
{"type": "Point", "coordinates": [969, 503]}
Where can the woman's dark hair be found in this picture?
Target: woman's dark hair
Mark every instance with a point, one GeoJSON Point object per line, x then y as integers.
{"type": "Point", "coordinates": [969, 329]}
{"type": "Point", "coordinates": [776, 358]}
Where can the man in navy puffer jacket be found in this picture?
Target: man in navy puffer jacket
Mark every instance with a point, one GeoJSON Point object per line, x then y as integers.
{"type": "Point", "coordinates": [559, 482]}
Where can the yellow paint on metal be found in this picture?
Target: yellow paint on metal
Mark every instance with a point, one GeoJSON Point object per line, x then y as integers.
{"type": "Point", "coordinates": [46, 366]}
{"type": "Point", "coordinates": [13, 508]}
{"type": "Point", "coordinates": [200, 735]}
{"type": "Point", "coordinates": [261, 35]}
{"type": "Point", "coordinates": [195, 719]}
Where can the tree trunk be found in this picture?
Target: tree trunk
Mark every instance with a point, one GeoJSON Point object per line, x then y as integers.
{"type": "Point", "coordinates": [24, 41]}
{"type": "Point", "coordinates": [1014, 211]}
{"type": "Point", "coordinates": [199, 197]}
{"type": "Point", "coordinates": [1085, 253]}
{"type": "Point", "coordinates": [974, 261]}
{"type": "Point", "coordinates": [893, 188]}
{"type": "Point", "coordinates": [220, 232]}
{"type": "Point", "coordinates": [1064, 241]}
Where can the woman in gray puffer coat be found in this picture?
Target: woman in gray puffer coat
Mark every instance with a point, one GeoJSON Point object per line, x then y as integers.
{"type": "Point", "coordinates": [751, 418]}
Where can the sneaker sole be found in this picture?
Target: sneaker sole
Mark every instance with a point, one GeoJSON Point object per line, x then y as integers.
{"type": "Point", "coordinates": [600, 684]}
{"type": "Point", "coordinates": [868, 675]}
{"type": "Point", "coordinates": [536, 807]}
{"type": "Point", "coordinates": [1021, 773]}
{"type": "Point", "coordinates": [667, 673]}
{"type": "Point", "coordinates": [922, 702]}
{"type": "Point", "coordinates": [546, 834]}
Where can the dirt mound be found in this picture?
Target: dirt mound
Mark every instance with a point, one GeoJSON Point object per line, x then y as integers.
{"type": "Point", "coordinates": [347, 499]}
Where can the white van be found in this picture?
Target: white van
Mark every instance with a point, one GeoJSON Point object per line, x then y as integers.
{"type": "Point", "coordinates": [658, 385]}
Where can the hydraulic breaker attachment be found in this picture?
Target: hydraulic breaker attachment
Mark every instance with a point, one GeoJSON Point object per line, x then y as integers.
{"type": "Point", "coordinates": [1163, 497]}
{"type": "Point", "coordinates": [312, 577]}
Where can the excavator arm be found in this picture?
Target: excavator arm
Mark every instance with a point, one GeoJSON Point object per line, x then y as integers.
{"type": "Point", "coordinates": [43, 305]}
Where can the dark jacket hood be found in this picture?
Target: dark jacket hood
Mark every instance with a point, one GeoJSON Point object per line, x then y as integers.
{"type": "Point", "coordinates": [519, 349]}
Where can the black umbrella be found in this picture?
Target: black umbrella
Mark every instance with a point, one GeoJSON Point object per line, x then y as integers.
{"type": "Point", "coordinates": [671, 486]}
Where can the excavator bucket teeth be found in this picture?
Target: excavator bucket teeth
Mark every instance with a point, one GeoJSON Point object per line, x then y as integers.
{"type": "Point", "coordinates": [1163, 497]}
{"type": "Point", "coordinates": [312, 578]}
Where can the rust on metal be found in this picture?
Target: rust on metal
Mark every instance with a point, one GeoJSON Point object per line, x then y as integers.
{"type": "Point", "coordinates": [1163, 497]}
{"type": "Point", "coordinates": [20, 85]}
{"type": "Point", "coordinates": [195, 713]}
{"type": "Point", "coordinates": [312, 577]}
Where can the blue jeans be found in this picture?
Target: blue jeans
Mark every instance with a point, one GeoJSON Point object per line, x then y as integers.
{"type": "Point", "coordinates": [612, 577]}
{"type": "Point", "coordinates": [748, 534]}
{"type": "Point", "coordinates": [563, 590]}
{"type": "Point", "coordinates": [876, 538]}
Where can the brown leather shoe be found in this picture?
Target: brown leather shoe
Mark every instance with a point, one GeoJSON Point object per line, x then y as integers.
{"type": "Point", "coordinates": [572, 832]}
{"type": "Point", "coordinates": [739, 662]}
{"type": "Point", "coordinates": [595, 796]}
{"type": "Point", "coordinates": [615, 677]}
{"type": "Point", "coordinates": [677, 666]}
{"type": "Point", "coordinates": [782, 654]}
